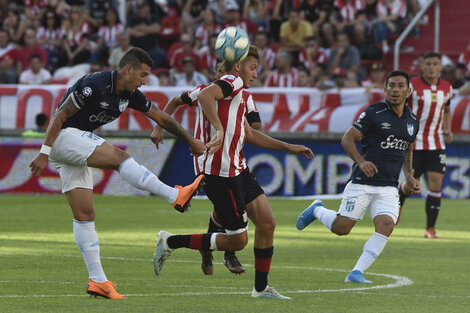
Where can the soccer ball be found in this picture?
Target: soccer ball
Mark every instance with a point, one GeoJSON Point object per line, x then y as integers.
{"type": "Point", "coordinates": [232, 45]}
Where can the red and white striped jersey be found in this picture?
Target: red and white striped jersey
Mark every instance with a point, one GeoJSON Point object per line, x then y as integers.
{"type": "Point", "coordinates": [348, 11]}
{"type": "Point", "coordinates": [464, 61]}
{"type": "Point", "coordinates": [389, 7]}
{"type": "Point", "coordinates": [427, 103]}
{"type": "Point", "coordinates": [203, 33]}
{"type": "Point", "coordinates": [270, 57]}
{"type": "Point", "coordinates": [109, 33]}
{"type": "Point", "coordinates": [229, 161]}
{"type": "Point", "coordinates": [51, 34]}
{"type": "Point", "coordinates": [276, 79]}
{"type": "Point", "coordinates": [320, 59]}
{"type": "Point", "coordinates": [74, 36]}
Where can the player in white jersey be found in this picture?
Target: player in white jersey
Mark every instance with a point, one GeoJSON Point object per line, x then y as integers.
{"type": "Point", "coordinates": [72, 148]}
{"type": "Point", "coordinates": [228, 182]}
{"type": "Point", "coordinates": [430, 102]}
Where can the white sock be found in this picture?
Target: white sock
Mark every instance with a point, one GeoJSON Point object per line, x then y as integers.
{"type": "Point", "coordinates": [140, 177]}
{"type": "Point", "coordinates": [87, 240]}
{"type": "Point", "coordinates": [372, 249]}
{"type": "Point", "coordinates": [213, 241]}
{"type": "Point", "coordinates": [325, 216]}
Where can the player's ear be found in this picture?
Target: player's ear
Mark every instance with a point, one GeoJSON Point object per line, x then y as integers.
{"type": "Point", "coordinates": [408, 93]}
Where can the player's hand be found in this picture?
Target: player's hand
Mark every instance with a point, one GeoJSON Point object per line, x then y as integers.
{"type": "Point", "coordinates": [197, 147]}
{"type": "Point", "coordinates": [412, 184]}
{"type": "Point", "coordinates": [157, 136]}
{"type": "Point", "coordinates": [448, 136]}
{"type": "Point", "coordinates": [39, 163]}
{"type": "Point", "coordinates": [216, 142]}
{"type": "Point", "coordinates": [303, 150]}
{"type": "Point", "coordinates": [368, 168]}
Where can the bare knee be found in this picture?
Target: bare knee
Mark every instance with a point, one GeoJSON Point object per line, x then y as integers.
{"type": "Point", "coordinates": [341, 226]}
{"type": "Point", "coordinates": [341, 230]}
{"type": "Point", "coordinates": [238, 243]}
{"type": "Point", "coordinates": [267, 226]}
{"type": "Point", "coordinates": [84, 215]}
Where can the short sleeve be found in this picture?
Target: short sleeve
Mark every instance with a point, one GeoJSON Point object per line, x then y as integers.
{"type": "Point", "coordinates": [139, 102]}
{"type": "Point", "coordinates": [364, 122]}
{"type": "Point", "coordinates": [229, 84]}
{"type": "Point", "coordinates": [85, 91]}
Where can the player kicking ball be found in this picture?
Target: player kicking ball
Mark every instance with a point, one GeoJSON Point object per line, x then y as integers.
{"type": "Point", "coordinates": [387, 131]}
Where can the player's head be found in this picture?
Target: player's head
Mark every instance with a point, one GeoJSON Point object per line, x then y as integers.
{"type": "Point", "coordinates": [41, 121]}
{"type": "Point", "coordinates": [134, 68]}
{"type": "Point", "coordinates": [247, 69]}
{"type": "Point", "coordinates": [397, 87]}
{"type": "Point", "coordinates": [432, 65]}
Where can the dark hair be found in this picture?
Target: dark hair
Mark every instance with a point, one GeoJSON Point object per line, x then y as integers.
{"type": "Point", "coordinates": [135, 57]}
{"type": "Point", "coordinates": [432, 55]}
{"type": "Point", "coordinates": [57, 18]}
{"type": "Point", "coordinates": [116, 14]}
{"type": "Point", "coordinates": [398, 73]}
{"type": "Point", "coordinates": [34, 56]}
{"type": "Point", "coordinates": [41, 119]}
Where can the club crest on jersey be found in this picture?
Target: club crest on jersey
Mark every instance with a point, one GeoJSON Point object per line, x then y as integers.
{"type": "Point", "coordinates": [350, 204]}
{"type": "Point", "coordinates": [87, 91]}
{"type": "Point", "coordinates": [410, 128]}
{"type": "Point", "coordinates": [123, 105]}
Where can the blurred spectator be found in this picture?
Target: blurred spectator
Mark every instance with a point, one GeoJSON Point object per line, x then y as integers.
{"type": "Point", "coordinates": [209, 58]}
{"type": "Point", "coordinates": [34, 10]}
{"type": "Point", "coordinates": [313, 57]}
{"type": "Point", "coordinates": [284, 75]}
{"type": "Point", "coordinates": [8, 71]}
{"type": "Point", "coordinates": [351, 80]}
{"type": "Point", "coordinates": [279, 12]}
{"type": "Point", "coordinates": [31, 47]}
{"type": "Point", "coordinates": [15, 27]}
{"type": "Point", "coordinates": [344, 55]}
{"type": "Point", "coordinates": [49, 36]}
{"type": "Point", "coordinates": [192, 14]}
{"type": "Point", "coordinates": [189, 76]}
{"type": "Point", "coordinates": [463, 63]}
{"type": "Point", "coordinates": [107, 35]}
{"type": "Point", "coordinates": [448, 73]}
{"type": "Point", "coordinates": [36, 74]}
{"type": "Point", "coordinates": [339, 77]}
{"type": "Point", "coordinates": [206, 29]}
{"type": "Point", "coordinates": [164, 79]}
{"type": "Point", "coordinates": [123, 44]}
{"type": "Point", "coordinates": [390, 20]}
{"type": "Point", "coordinates": [256, 11]}
{"type": "Point", "coordinates": [416, 68]}
{"type": "Point", "coordinates": [186, 50]}
{"type": "Point", "coordinates": [144, 30]}
{"type": "Point", "coordinates": [349, 17]}
{"type": "Point", "coordinates": [96, 11]}
{"type": "Point", "coordinates": [267, 56]}
{"type": "Point", "coordinates": [317, 12]}
{"type": "Point", "coordinates": [376, 79]}
{"type": "Point", "coordinates": [304, 78]}
{"type": "Point", "coordinates": [41, 126]}
{"type": "Point", "coordinates": [75, 39]}
{"type": "Point", "coordinates": [324, 81]}
{"type": "Point", "coordinates": [232, 18]}
{"type": "Point", "coordinates": [294, 32]}
{"type": "Point", "coordinates": [60, 7]}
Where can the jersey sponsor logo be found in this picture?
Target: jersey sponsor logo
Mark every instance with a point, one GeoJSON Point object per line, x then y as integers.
{"type": "Point", "coordinates": [394, 143]}
{"type": "Point", "coordinates": [87, 91]}
{"type": "Point", "coordinates": [387, 126]}
{"type": "Point", "coordinates": [102, 117]}
{"type": "Point", "coordinates": [410, 129]}
{"type": "Point", "coordinates": [123, 105]}
{"type": "Point", "coordinates": [104, 105]}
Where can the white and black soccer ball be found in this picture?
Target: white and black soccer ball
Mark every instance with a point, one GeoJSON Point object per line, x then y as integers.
{"type": "Point", "coordinates": [232, 45]}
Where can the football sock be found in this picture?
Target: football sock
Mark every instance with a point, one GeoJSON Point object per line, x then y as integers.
{"type": "Point", "coordinates": [402, 194]}
{"type": "Point", "coordinates": [87, 240]}
{"type": "Point", "coordinates": [325, 216]}
{"type": "Point", "coordinates": [433, 205]}
{"type": "Point", "coordinates": [262, 265]}
{"type": "Point", "coordinates": [140, 177]}
{"type": "Point", "coordinates": [372, 249]}
{"type": "Point", "coordinates": [195, 241]}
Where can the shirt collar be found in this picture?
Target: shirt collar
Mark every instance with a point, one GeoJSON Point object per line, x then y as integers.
{"type": "Point", "coordinates": [113, 81]}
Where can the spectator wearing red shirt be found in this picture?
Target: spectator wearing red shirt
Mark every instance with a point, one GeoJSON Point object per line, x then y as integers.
{"type": "Point", "coordinates": [313, 57]}
{"type": "Point", "coordinates": [34, 10]}
{"type": "Point", "coordinates": [206, 29]}
{"type": "Point", "coordinates": [349, 16]}
{"type": "Point", "coordinates": [390, 19]}
{"type": "Point", "coordinates": [232, 18]}
{"type": "Point", "coordinates": [8, 73]}
{"type": "Point", "coordinates": [176, 59]}
{"type": "Point", "coordinates": [284, 75]}
{"type": "Point", "coordinates": [267, 56]}
{"type": "Point", "coordinates": [31, 47]}
{"type": "Point", "coordinates": [463, 63]}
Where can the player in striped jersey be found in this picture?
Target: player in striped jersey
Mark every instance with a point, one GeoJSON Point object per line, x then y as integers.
{"type": "Point", "coordinates": [430, 102]}
{"type": "Point", "coordinates": [233, 190]}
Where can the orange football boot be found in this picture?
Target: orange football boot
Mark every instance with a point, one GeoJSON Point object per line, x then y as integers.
{"type": "Point", "coordinates": [186, 193]}
{"type": "Point", "coordinates": [105, 290]}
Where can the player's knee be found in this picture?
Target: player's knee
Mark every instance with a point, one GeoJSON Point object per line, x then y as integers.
{"type": "Point", "coordinates": [269, 225]}
{"type": "Point", "coordinates": [340, 229]}
{"type": "Point", "coordinates": [84, 216]}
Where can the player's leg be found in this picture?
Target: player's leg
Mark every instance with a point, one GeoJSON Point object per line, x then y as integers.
{"type": "Point", "coordinates": [433, 202]}
{"type": "Point", "coordinates": [108, 156]}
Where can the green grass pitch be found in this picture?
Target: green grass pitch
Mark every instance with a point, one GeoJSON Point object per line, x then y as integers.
{"type": "Point", "coordinates": [41, 268]}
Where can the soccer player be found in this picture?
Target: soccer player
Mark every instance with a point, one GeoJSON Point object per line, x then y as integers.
{"type": "Point", "coordinates": [229, 184]}
{"type": "Point", "coordinates": [430, 102]}
{"type": "Point", "coordinates": [387, 131]}
{"type": "Point", "coordinates": [72, 148]}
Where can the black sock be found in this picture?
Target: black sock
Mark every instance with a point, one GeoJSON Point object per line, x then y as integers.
{"type": "Point", "coordinates": [195, 241]}
{"type": "Point", "coordinates": [262, 266]}
{"type": "Point", "coordinates": [433, 204]}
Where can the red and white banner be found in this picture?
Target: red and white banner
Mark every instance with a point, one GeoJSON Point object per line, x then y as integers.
{"type": "Point", "coordinates": [281, 109]}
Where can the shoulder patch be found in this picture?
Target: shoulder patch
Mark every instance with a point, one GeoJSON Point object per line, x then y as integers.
{"type": "Point", "coordinates": [87, 91]}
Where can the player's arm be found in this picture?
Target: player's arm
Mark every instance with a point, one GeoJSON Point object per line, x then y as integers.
{"type": "Point", "coordinates": [157, 133]}
{"type": "Point", "coordinates": [447, 124]}
{"type": "Point", "coordinates": [66, 110]}
{"type": "Point", "coordinates": [262, 140]}
{"type": "Point", "coordinates": [167, 122]}
{"type": "Point", "coordinates": [412, 184]}
{"type": "Point", "coordinates": [207, 98]}
{"type": "Point", "coordinates": [349, 145]}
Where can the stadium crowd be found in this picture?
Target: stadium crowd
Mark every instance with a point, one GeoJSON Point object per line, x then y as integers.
{"type": "Point", "coordinates": [302, 43]}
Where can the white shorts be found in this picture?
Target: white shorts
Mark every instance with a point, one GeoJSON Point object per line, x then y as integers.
{"type": "Point", "coordinates": [69, 153]}
{"type": "Point", "coordinates": [379, 200]}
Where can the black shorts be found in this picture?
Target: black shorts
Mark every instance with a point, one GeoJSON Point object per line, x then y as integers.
{"type": "Point", "coordinates": [429, 161]}
{"type": "Point", "coordinates": [230, 195]}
